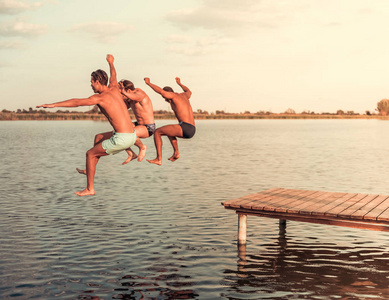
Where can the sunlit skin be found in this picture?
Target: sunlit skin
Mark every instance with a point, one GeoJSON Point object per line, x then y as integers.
{"type": "Point", "coordinates": [182, 109]}
{"type": "Point", "coordinates": [142, 108]}
{"type": "Point", "coordinates": [110, 102]}
{"type": "Point", "coordinates": [143, 115]}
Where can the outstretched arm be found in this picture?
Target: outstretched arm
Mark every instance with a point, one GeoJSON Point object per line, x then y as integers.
{"type": "Point", "coordinates": [75, 102]}
{"type": "Point", "coordinates": [113, 78]}
{"type": "Point", "coordinates": [158, 90]}
{"type": "Point", "coordinates": [184, 88]}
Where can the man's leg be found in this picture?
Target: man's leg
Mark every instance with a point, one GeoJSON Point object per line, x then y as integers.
{"type": "Point", "coordinates": [176, 154]}
{"type": "Point", "coordinates": [131, 156]}
{"type": "Point", "coordinates": [99, 138]}
{"type": "Point", "coordinates": [92, 157]}
{"type": "Point", "coordinates": [141, 132]}
{"type": "Point", "coordinates": [102, 136]}
{"type": "Point", "coordinates": [171, 131]}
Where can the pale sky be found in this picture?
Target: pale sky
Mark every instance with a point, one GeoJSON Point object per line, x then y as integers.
{"type": "Point", "coordinates": [235, 55]}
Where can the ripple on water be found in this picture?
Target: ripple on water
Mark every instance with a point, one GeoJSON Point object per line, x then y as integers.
{"type": "Point", "coordinates": [160, 232]}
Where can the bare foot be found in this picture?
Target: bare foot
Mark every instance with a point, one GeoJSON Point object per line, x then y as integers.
{"type": "Point", "coordinates": [142, 153]}
{"type": "Point", "coordinates": [155, 161]}
{"type": "Point", "coordinates": [174, 157]}
{"type": "Point", "coordinates": [85, 192]}
{"type": "Point", "coordinates": [81, 171]}
{"type": "Point", "coordinates": [131, 156]}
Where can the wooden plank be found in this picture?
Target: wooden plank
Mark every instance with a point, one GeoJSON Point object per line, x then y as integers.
{"type": "Point", "coordinates": [260, 204]}
{"type": "Point", "coordinates": [247, 201]}
{"type": "Point", "coordinates": [299, 205]}
{"type": "Point", "coordinates": [384, 216]}
{"type": "Point", "coordinates": [362, 211]}
{"type": "Point", "coordinates": [234, 202]}
{"type": "Point", "coordinates": [344, 205]}
{"type": "Point", "coordinates": [291, 202]}
{"type": "Point", "coordinates": [319, 202]}
{"type": "Point", "coordinates": [332, 205]}
{"type": "Point", "coordinates": [376, 211]}
{"type": "Point", "coordinates": [287, 194]}
{"type": "Point", "coordinates": [263, 197]}
{"type": "Point", "coordinates": [348, 212]}
{"type": "Point", "coordinates": [317, 220]}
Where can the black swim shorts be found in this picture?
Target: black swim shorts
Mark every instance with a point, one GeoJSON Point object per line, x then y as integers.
{"type": "Point", "coordinates": [150, 128]}
{"type": "Point", "coordinates": [188, 130]}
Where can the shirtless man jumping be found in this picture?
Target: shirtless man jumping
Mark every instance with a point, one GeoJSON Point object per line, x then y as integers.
{"type": "Point", "coordinates": [186, 129]}
{"type": "Point", "coordinates": [141, 105]}
{"type": "Point", "coordinates": [110, 102]}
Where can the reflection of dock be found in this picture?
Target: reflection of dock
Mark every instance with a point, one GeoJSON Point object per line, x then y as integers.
{"type": "Point", "coordinates": [342, 209]}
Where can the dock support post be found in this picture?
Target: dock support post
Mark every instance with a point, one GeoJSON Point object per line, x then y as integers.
{"type": "Point", "coordinates": [242, 261]}
{"type": "Point", "coordinates": [282, 222]}
{"type": "Point", "coordinates": [242, 229]}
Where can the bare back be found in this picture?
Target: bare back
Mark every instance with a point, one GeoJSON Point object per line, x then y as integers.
{"type": "Point", "coordinates": [182, 108]}
{"type": "Point", "coordinates": [113, 107]}
{"type": "Point", "coordinates": [143, 109]}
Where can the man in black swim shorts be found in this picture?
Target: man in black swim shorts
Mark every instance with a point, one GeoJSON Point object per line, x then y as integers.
{"type": "Point", "coordinates": [186, 129]}
{"type": "Point", "coordinates": [150, 127]}
{"type": "Point", "coordinates": [140, 103]}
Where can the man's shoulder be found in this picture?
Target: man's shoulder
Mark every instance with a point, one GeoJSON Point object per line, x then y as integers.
{"type": "Point", "coordinates": [180, 97]}
{"type": "Point", "coordinates": [110, 93]}
{"type": "Point", "coordinates": [140, 91]}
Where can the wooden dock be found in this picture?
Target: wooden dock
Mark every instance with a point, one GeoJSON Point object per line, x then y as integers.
{"type": "Point", "coordinates": [364, 211]}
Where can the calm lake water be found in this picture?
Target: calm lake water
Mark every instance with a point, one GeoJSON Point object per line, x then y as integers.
{"type": "Point", "coordinates": [160, 232]}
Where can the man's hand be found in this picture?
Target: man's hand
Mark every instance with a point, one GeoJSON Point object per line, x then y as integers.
{"type": "Point", "coordinates": [178, 80]}
{"type": "Point", "coordinates": [147, 80]}
{"type": "Point", "coordinates": [124, 93]}
{"type": "Point", "coordinates": [46, 106]}
{"type": "Point", "coordinates": [110, 58]}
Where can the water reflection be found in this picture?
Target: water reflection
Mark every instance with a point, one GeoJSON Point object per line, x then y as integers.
{"type": "Point", "coordinates": [161, 233]}
{"type": "Point", "coordinates": [290, 269]}
{"type": "Point", "coordinates": [164, 286]}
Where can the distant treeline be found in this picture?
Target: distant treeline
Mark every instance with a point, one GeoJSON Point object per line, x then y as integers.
{"type": "Point", "coordinates": [96, 115]}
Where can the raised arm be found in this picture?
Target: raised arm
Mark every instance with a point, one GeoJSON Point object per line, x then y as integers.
{"type": "Point", "coordinates": [133, 95]}
{"type": "Point", "coordinates": [158, 90]}
{"type": "Point", "coordinates": [113, 78]}
{"type": "Point", "coordinates": [184, 88]}
{"type": "Point", "coordinates": [75, 102]}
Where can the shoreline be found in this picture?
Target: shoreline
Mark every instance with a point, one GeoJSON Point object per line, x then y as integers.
{"type": "Point", "coordinates": [73, 116]}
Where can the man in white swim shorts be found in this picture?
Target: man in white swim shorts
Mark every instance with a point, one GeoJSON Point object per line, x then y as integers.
{"type": "Point", "coordinates": [119, 142]}
{"type": "Point", "coordinates": [110, 101]}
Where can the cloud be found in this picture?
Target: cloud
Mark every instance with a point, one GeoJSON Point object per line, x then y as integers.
{"type": "Point", "coordinates": [231, 17]}
{"type": "Point", "coordinates": [12, 7]}
{"type": "Point", "coordinates": [104, 32]}
{"type": "Point", "coordinates": [183, 44]}
{"type": "Point", "coordinates": [224, 22]}
{"type": "Point", "coordinates": [188, 51]}
{"type": "Point", "coordinates": [21, 28]}
{"type": "Point", "coordinates": [179, 39]}
{"type": "Point", "coordinates": [11, 45]}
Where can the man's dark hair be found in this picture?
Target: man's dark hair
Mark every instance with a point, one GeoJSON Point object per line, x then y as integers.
{"type": "Point", "coordinates": [128, 85]}
{"type": "Point", "coordinates": [100, 76]}
{"type": "Point", "coordinates": [168, 89]}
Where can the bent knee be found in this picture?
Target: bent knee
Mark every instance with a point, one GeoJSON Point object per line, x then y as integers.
{"type": "Point", "coordinates": [98, 138]}
{"type": "Point", "coordinates": [91, 154]}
